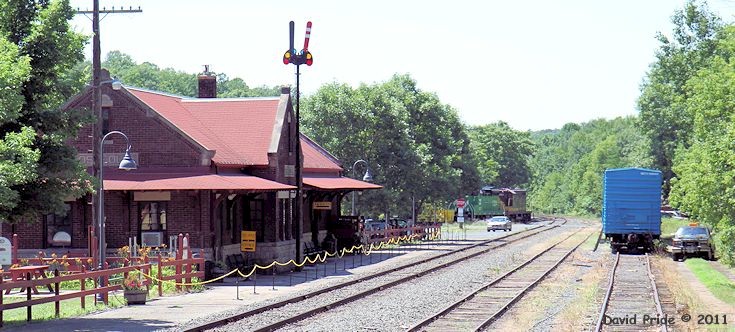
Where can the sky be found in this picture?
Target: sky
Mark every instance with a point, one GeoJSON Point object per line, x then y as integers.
{"type": "Point", "coordinates": [533, 64]}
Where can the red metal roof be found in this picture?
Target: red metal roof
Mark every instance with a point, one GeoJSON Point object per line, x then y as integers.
{"type": "Point", "coordinates": [238, 129]}
{"type": "Point", "coordinates": [189, 181]}
{"type": "Point", "coordinates": [336, 183]}
{"type": "Point", "coordinates": [317, 158]}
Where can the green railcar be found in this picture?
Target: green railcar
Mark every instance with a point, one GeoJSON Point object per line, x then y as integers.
{"type": "Point", "coordinates": [498, 202]}
{"type": "Point", "coordinates": [483, 206]}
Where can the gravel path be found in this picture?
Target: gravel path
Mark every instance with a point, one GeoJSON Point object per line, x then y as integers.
{"type": "Point", "coordinates": [399, 307]}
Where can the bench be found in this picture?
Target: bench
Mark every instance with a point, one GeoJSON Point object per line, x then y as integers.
{"type": "Point", "coordinates": [236, 261]}
{"type": "Point", "coordinates": [311, 250]}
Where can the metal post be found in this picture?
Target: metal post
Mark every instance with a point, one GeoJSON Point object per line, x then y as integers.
{"type": "Point", "coordinates": [299, 180]}
{"type": "Point", "coordinates": [367, 174]}
{"type": "Point", "coordinates": [101, 203]}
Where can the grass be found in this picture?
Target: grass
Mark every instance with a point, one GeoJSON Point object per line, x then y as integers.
{"type": "Point", "coordinates": [68, 308]}
{"type": "Point", "coordinates": [468, 226]}
{"type": "Point", "coordinates": [718, 284]}
{"type": "Point", "coordinates": [670, 225]}
{"type": "Point", "coordinates": [584, 302]}
{"type": "Point", "coordinates": [73, 308]}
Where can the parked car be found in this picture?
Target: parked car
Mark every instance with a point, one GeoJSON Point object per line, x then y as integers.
{"type": "Point", "coordinates": [692, 240]}
{"type": "Point", "coordinates": [397, 223]}
{"type": "Point", "coordinates": [673, 214]}
{"type": "Point", "coordinates": [375, 225]}
{"type": "Point", "coordinates": [499, 223]}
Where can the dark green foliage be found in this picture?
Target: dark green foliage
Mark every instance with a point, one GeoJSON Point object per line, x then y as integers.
{"type": "Point", "coordinates": [502, 154]}
{"type": "Point", "coordinates": [663, 117]}
{"type": "Point", "coordinates": [416, 146]}
{"type": "Point", "coordinates": [568, 164]}
{"type": "Point", "coordinates": [37, 54]}
{"type": "Point", "coordinates": [149, 76]}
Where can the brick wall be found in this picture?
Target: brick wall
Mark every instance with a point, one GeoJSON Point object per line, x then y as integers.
{"type": "Point", "coordinates": [149, 137]}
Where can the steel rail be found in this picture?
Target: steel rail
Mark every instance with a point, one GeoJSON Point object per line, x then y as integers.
{"type": "Point", "coordinates": [656, 298]}
{"type": "Point", "coordinates": [472, 294]}
{"type": "Point", "coordinates": [606, 301]}
{"type": "Point", "coordinates": [233, 318]}
{"type": "Point", "coordinates": [654, 288]}
{"type": "Point", "coordinates": [528, 288]}
{"type": "Point", "coordinates": [374, 290]}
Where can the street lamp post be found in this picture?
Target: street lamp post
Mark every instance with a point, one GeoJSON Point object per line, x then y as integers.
{"type": "Point", "coordinates": [367, 178]}
{"type": "Point", "coordinates": [126, 164]}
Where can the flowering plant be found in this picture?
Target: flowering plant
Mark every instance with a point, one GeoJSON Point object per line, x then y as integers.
{"type": "Point", "coordinates": [133, 281]}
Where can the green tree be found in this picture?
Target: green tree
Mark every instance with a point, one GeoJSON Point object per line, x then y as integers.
{"type": "Point", "coordinates": [502, 154]}
{"type": "Point", "coordinates": [705, 185]}
{"type": "Point", "coordinates": [568, 164]}
{"type": "Point", "coordinates": [663, 94]}
{"type": "Point", "coordinates": [149, 76]}
{"type": "Point", "coordinates": [417, 146]}
{"type": "Point", "coordinates": [38, 169]}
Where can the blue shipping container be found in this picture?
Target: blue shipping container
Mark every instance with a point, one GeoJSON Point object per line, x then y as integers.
{"type": "Point", "coordinates": [631, 201]}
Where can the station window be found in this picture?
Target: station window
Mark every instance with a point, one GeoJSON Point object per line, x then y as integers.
{"type": "Point", "coordinates": [152, 216]}
{"type": "Point", "coordinates": [255, 210]}
{"type": "Point", "coordinates": [58, 228]}
{"type": "Point", "coordinates": [105, 120]}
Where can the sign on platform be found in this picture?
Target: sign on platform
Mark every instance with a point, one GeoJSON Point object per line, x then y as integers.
{"type": "Point", "coordinates": [460, 215]}
{"type": "Point", "coordinates": [460, 203]}
{"type": "Point", "coordinates": [322, 206]}
{"type": "Point", "coordinates": [6, 257]}
{"type": "Point", "coordinates": [247, 241]}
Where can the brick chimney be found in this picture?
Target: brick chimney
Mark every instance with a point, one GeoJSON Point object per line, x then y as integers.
{"type": "Point", "coordinates": [207, 84]}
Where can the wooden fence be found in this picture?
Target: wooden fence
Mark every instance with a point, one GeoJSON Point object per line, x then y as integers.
{"type": "Point", "coordinates": [186, 269]}
{"type": "Point", "coordinates": [382, 235]}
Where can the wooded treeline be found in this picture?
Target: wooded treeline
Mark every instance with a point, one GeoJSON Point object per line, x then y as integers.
{"type": "Point", "coordinates": [417, 147]}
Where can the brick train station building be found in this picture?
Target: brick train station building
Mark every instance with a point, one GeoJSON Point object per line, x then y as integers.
{"type": "Point", "coordinates": [210, 167]}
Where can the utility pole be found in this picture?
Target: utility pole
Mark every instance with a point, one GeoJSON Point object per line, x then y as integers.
{"type": "Point", "coordinates": [97, 93]}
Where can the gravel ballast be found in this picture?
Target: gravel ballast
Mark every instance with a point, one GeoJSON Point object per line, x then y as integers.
{"type": "Point", "coordinates": [399, 307]}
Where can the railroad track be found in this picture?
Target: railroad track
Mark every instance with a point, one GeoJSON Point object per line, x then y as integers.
{"type": "Point", "coordinates": [484, 305]}
{"type": "Point", "coordinates": [398, 275]}
{"type": "Point", "coordinates": [632, 300]}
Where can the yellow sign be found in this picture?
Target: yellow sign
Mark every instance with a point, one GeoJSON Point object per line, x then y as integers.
{"type": "Point", "coordinates": [247, 241]}
{"type": "Point", "coordinates": [322, 205]}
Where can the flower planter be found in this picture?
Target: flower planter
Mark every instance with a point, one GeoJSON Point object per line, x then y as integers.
{"type": "Point", "coordinates": [136, 296]}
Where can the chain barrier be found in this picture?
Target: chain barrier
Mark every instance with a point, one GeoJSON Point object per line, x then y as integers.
{"type": "Point", "coordinates": [307, 260]}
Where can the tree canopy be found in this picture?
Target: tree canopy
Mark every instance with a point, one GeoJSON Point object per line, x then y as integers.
{"type": "Point", "coordinates": [663, 115]}
{"type": "Point", "coordinates": [502, 154]}
{"type": "Point", "coordinates": [567, 168]}
{"type": "Point", "coordinates": [416, 146]}
{"type": "Point", "coordinates": [149, 76]}
{"type": "Point", "coordinates": [705, 170]}
{"type": "Point", "coordinates": [38, 170]}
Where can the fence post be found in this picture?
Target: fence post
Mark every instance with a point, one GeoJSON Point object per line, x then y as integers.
{"type": "Point", "coordinates": [56, 293]}
{"type": "Point", "coordinates": [148, 272]}
{"type": "Point", "coordinates": [179, 256]}
{"type": "Point", "coordinates": [2, 277]}
{"type": "Point", "coordinates": [29, 312]}
{"type": "Point", "coordinates": [187, 255]}
{"type": "Point", "coordinates": [160, 275]}
{"type": "Point", "coordinates": [95, 259]}
{"type": "Point", "coordinates": [186, 252]}
{"type": "Point", "coordinates": [90, 234]}
{"type": "Point", "coordinates": [106, 277]}
{"type": "Point", "coordinates": [82, 282]}
{"type": "Point", "coordinates": [14, 250]}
